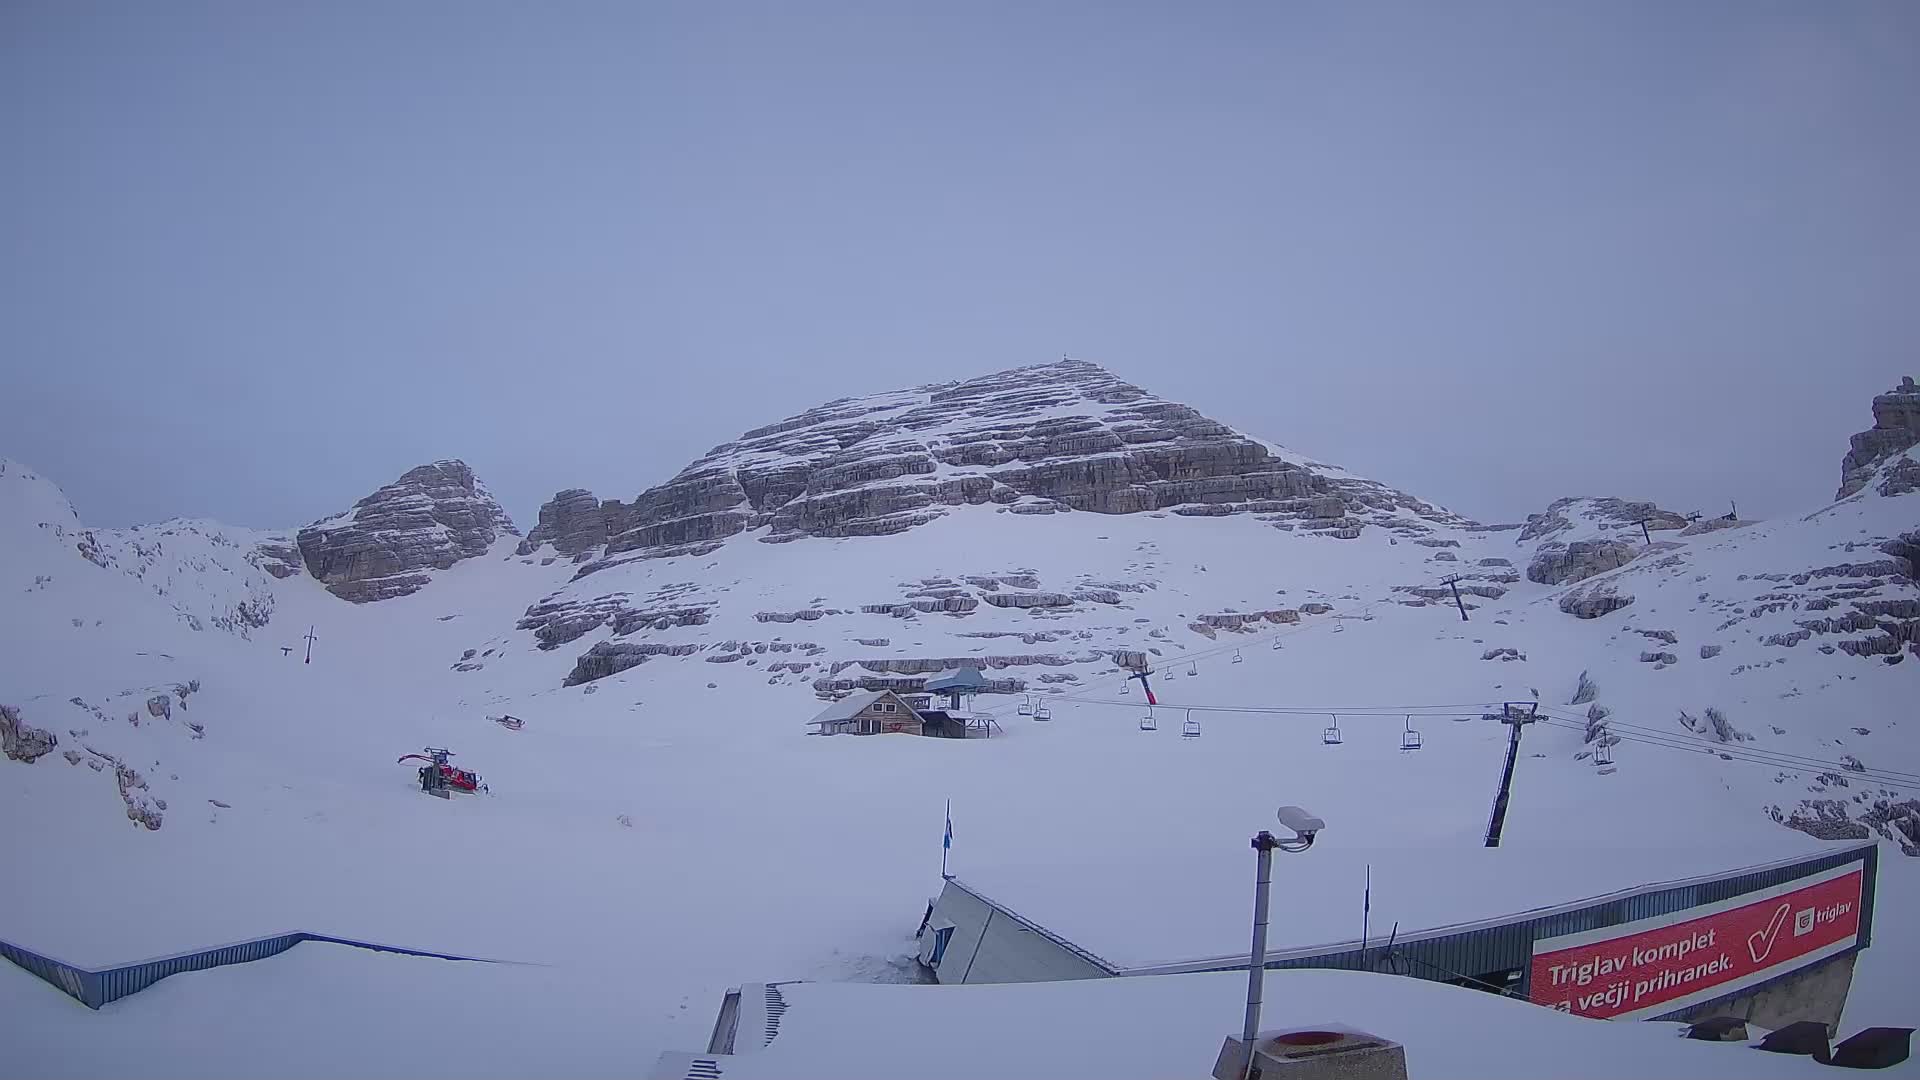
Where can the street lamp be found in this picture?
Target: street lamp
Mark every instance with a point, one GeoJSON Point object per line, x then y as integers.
{"type": "Point", "coordinates": [1304, 827]}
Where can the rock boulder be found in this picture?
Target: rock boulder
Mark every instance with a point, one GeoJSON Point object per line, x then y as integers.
{"type": "Point", "coordinates": [21, 741]}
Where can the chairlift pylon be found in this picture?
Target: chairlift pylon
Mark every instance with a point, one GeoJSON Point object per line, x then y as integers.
{"type": "Point", "coordinates": [1331, 736]}
{"type": "Point", "coordinates": [1409, 739]}
{"type": "Point", "coordinates": [1190, 729]}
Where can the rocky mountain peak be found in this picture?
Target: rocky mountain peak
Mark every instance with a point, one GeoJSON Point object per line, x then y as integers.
{"type": "Point", "coordinates": [432, 517]}
{"type": "Point", "coordinates": [1896, 429]}
{"type": "Point", "coordinates": [1049, 438]}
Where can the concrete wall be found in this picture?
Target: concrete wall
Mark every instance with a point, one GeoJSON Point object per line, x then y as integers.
{"type": "Point", "coordinates": [1818, 993]}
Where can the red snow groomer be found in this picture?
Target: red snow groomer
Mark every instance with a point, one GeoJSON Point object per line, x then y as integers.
{"type": "Point", "coordinates": [440, 778]}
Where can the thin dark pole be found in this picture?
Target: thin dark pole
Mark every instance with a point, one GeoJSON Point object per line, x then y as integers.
{"type": "Point", "coordinates": [1454, 584]}
{"type": "Point", "coordinates": [310, 640]}
{"type": "Point", "coordinates": [1366, 914]}
{"type": "Point", "coordinates": [1498, 822]}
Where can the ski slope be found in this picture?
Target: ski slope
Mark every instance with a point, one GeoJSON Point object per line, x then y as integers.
{"type": "Point", "coordinates": [661, 833]}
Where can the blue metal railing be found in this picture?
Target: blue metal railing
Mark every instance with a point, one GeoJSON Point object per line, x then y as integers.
{"type": "Point", "coordinates": [94, 988]}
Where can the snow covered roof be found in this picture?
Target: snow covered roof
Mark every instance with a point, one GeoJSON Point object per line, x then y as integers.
{"type": "Point", "coordinates": [1172, 1025]}
{"type": "Point", "coordinates": [848, 707]}
{"type": "Point", "coordinates": [1180, 912]}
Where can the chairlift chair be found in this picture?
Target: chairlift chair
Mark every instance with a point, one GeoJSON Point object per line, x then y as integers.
{"type": "Point", "coordinates": [1339, 624]}
{"type": "Point", "coordinates": [1042, 711]}
{"type": "Point", "coordinates": [1190, 729]}
{"type": "Point", "coordinates": [1276, 643]}
{"type": "Point", "coordinates": [1409, 739]}
{"type": "Point", "coordinates": [1148, 722]}
{"type": "Point", "coordinates": [1193, 667]}
{"type": "Point", "coordinates": [1331, 736]}
{"type": "Point", "coordinates": [1603, 754]}
{"type": "Point", "coordinates": [1126, 686]}
{"type": "Point", "coordinates": [1236, 656]}
{"type": "Point", "coordinates": [1026, 707]}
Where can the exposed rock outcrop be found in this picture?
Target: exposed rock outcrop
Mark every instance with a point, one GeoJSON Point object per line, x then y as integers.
{"type": "Point", "coordinates": [432, 517]}
{"type": "Point", "coordinates": [907, 665]}
{"type": "Point", "coordinates": [1246, 620]}
{"type": "Point", "coordinates": [1896, 429]}
{"type": "Point", "coordinates": [142, 808]}
{"type": "Point", "coordinates": [1029, 599]}
{"type": "Point", "coordinates": [1901, 475]}
{"type": "Point", "coordinates": [1061, 436]}
{"type": "Point", "coordinates": [1598, 514]}
{"type": "Point", "coordinates": [612, 657]}
{"type": "Point", "coordinates": [279, 556]}
{"type": "Point", "coordinates": [1580, 537]}
{"type": "Point", "coordinates": [558, 620]}
{"type": "Point", "coordinates": [21, 741]}
{"type": "Point", "coordinates": [574, 522]}
{"type": "Point", "coordinates": [1593, 601]}
{"type": "Point", "coordinates": [1556, 563]}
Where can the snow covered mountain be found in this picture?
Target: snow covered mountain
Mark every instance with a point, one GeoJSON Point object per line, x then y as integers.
{"type": "Point", "coordinates": [1035, 440]}
{"type": "Point", "coordinates": [1704, 681]}
{"type": "Point", "coordinates": [432, 517]}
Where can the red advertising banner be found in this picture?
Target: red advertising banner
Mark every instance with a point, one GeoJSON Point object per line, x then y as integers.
{"type": "Point", "coordinates": [1646, 968]}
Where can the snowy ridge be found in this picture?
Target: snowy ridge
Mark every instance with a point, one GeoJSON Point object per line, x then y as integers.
{"type": "Point", "coordinates": [214, 575]}
{"type": "Point", "coordinates": [1036, 440]}
{"type": "Point", "coordinates": [1739, 680]}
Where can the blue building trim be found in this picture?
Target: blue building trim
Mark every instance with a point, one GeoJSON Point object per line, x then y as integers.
{"type": "Point", "coordinates": [96, 987]}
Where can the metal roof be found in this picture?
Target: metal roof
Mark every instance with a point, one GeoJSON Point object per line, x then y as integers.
{"type": "Point", "coordinates": [964, 679]}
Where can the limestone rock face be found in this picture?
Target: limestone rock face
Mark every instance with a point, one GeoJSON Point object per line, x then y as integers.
{"type": "Point", "coordinates": [21, 741]}
{"type": "Point", "coordinates": [1594, 600]}
{"type": "Point", "coordinates": [1901, 476]}
{"type": "Point", "coordinates": [572, 521]}
{"type": "Point", "coordinates": [1896, 428]}
{"type": "Point", "coordinates": [1585, 515]}
{"type": "Point", "coordinates": [1556, 563]}
{"type": "Point", "coordinates": [1580, 537]}
{"type": "Point", "coordinates": [1067, 436]}
{"type": "Point", "coordinates": [612, 657]}
{"type": "Point", "coordinates": [432, 517]}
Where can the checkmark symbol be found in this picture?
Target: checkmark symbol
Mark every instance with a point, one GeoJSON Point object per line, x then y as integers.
{"type": "Point", "coordinates": [1760, 942]}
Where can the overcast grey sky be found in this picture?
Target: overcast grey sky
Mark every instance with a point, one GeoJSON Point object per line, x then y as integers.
{"type": "Point", "coordinates": [257, 259]}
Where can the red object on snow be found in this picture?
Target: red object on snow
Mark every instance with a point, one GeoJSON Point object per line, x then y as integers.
{"type": "Point", "coordinates": [455, 777]}
{"type": "Point", "coordinates": [459, 778]}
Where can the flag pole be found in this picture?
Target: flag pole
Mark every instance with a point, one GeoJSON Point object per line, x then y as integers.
{"type": "Point", "coordinates": [946, 842]}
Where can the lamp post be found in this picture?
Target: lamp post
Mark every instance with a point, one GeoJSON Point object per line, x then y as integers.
{"type": "Point", "coordinates": [1304, 827]}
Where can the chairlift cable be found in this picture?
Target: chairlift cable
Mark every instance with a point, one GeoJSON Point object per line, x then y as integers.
{"type": "Point", "coordinates": [1732, 752]}
{"type": "Point", "coordinates": [1716, 745]}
